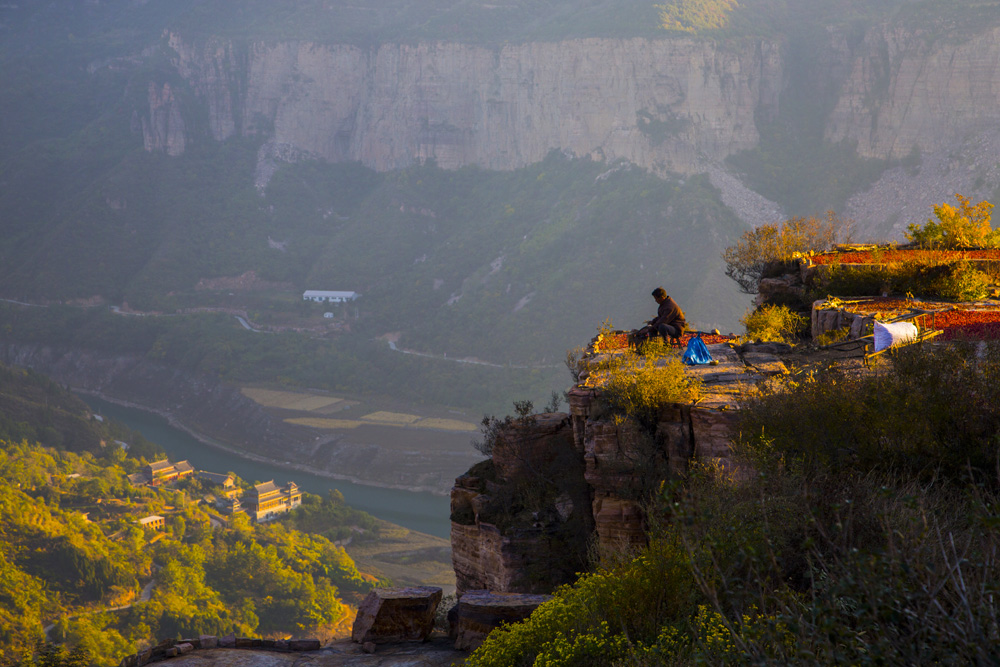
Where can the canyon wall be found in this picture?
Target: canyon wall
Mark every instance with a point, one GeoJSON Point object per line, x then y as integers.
{"type": "Point", "coordinates": [662, 104]}
{"type": "Point", "coordinates": [907, 91]}
{"type": "Point", "coordinates": [668, 104]}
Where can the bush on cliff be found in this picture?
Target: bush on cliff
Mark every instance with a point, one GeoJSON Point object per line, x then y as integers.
{"type": "Point", "coordinates": [926, 413]}
{"type": "Point", "coordinates": [954, 280]}
{"type": "Point", "coordinates": [635, 385]}
{"type": "Point", "coordinates": [774, 323]}
{"type": "Point", "coordinates": [762, 249]}
{"type": "Point", "coordinates": [967, 226]}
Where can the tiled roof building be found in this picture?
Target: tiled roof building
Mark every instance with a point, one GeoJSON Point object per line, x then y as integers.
{"type": "Point", "coordinates": [159, 472]}
{"type": "Point", "coordinates": [267, 500]}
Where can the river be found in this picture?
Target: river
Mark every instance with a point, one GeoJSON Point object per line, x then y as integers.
{"type": "Point", "coordinates": [422, 512]}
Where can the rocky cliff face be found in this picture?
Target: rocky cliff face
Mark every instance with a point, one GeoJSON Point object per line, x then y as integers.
{"type": "Point", "coordinates": [525, 521]}
{"type": "Point", "coordinates": [163, 129]}
{"type": "Point", "coordinates": [662, 104]}
{"type": "Point", "coordinates": [906, 91]}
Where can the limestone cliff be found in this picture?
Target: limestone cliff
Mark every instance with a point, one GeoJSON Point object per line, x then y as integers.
{"type": "Point", "coordinates": [525, 521]}
{"type": "Point", "coordinates": [662, 104]}
{"type": "Point", "coordinates": [907, 91]}
{"type": "Point", "coordinates": [163, 128]}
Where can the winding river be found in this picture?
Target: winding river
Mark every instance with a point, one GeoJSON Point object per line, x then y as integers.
{"type": "Point", "coordinates": [422, 512]}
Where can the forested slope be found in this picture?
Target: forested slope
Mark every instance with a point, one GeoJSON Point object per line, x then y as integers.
{"type": "Point", "coordinates": [73, 555]}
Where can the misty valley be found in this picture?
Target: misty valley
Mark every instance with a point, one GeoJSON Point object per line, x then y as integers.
{"type": "Point", "coordinates": [396, 257]}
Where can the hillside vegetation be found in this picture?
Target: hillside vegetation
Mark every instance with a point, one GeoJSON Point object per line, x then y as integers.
{"type": "Point", "coordinates": [857, 525]}
{"type": "Point", "coordinates": [507, 267]}
{"type": "Point", "coordinates": [74, 557]}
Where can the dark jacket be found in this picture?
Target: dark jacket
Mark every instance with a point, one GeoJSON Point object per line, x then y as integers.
{"type": "Point", "coordinates": [670, 313]}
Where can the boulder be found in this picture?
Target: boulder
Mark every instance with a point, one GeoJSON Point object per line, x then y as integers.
{"type": "Point", "coordinates": [396, 615]}
{"type": "Point", "coordinates": [481, 612]}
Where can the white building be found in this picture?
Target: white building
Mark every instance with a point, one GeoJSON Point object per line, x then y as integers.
{"type": "Point", "coordinates": [323, 296]}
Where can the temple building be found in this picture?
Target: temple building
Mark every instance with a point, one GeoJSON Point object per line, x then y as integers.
{"type": "Point", "coordinates": [160, 472]}
{"type": "Point", "coordinates": [267, 500]}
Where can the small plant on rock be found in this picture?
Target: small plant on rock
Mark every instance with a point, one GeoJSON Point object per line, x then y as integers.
{"type": "Point", "coordinates": [636, 387]}
{"type": "Point", "coordinates": [494, 428]}
{"type": "Point", "coordinates": [774, 324]}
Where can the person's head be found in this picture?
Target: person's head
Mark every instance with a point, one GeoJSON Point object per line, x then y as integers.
{"type": "Point", "coordinates": [660, 295]}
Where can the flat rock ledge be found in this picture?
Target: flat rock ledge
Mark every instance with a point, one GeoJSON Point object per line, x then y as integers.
{"type": "Point", "coordinates": [481, 612]}
{"type": "Point", "coordinates": [436, 652]}
{"type": "Point", "coordinates": [173, 648]}
{"type": "Point", "coordinates": [390, 615]}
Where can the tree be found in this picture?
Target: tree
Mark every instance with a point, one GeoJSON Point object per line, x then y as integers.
{"type": "Point", "coordinates": [967, 226]}
{"type": "Point", "coordinates": [693, 15]}
{"type": "Point", "coordinates": [747, 261]}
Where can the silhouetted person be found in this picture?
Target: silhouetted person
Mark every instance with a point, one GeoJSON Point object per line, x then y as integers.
{"type": "Point", "coordinates": [669, 321]}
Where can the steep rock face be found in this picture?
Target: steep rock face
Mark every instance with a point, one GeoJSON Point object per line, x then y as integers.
{"type": "Point", "coordinates": [906, 90]}
{"type": "Point", "coordinates": [163, 129]}
{"type": "Point", "coordinates": [525, 521]}
{"type": "Point", "coordinates": [662, 104]}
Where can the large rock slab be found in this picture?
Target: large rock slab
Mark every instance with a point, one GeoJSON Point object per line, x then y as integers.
{"type": "Point", "coordinates": [396, 615]}
{"type": "Point", "coordinates": [482, 612]}
{"type": "Point", "coordinates": [535, 446]}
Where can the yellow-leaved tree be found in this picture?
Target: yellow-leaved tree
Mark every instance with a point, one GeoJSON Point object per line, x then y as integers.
{"type": "Point", "coordinates": [967, 226]}
{"type": "Point", "coordinates": [694, 15]}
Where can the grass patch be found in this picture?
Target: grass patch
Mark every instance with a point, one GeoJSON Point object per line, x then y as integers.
{"type": "Point", "coordinates": [318, 422]}
{"type": "Point", "coordinates": [393, 418]}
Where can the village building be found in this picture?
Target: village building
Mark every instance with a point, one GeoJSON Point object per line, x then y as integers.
{"type": "Point", "coordinates": [324, 296]}
{"type": "Point", "coordinates": [267, 500]}
{"type": "Point", "coordinates": [153, 522]}
{"type": "Point", "coordinates": [160, 472]}
{"type": "Point", "coordinates": [226, 481]}
{"type": "Point", "coordinates": [230, 505]}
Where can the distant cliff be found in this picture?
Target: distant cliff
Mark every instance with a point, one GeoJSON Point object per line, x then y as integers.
{"type": "Point", "coordinates": [680, 105]}
{"type": "Point", "coordinates": [906, 91]}
{"type": "Point", "coordinates": [662, 104]}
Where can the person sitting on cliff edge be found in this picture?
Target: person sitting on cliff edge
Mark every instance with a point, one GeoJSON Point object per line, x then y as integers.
{"type": "Point", "coordinates": [669, 321]}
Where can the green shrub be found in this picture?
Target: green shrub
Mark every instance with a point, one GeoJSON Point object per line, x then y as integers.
{"type": "Point", "coordinates": [928, 412]}
{"type": "Point", "coordinates": [962, 282]}
{"type": "Point", "coordinates": [603, 616]}
{"type": "Point", "coordinates": [694, 15]}
{"type": "Point", "coordinates": [636, 387]}
{"type": "Point", "coordinates": [774, 323]}
{"type": "Point", "coordinates": [967, 226]}
{"type": "Point", "coordinates": [759, 250]}
{"type": "Point", "coordinates": [855, 280]}
{"type": "Point", "coordinates": [956, 280]}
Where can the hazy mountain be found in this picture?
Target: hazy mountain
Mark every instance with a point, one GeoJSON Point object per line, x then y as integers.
{"type": "Point", "coordinates": [495, 179]}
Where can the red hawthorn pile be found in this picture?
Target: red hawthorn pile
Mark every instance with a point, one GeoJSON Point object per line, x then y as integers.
{"type": "Point", "coordinates": [611, 342]}
{"type": "Point", "coordinates": [896, 256]}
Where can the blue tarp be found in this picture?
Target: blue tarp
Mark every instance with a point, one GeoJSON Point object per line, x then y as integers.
{"type": "Point", "coordinates": [696, 352]}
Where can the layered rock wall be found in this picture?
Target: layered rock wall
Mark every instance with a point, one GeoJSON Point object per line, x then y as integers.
{"type": "Point", "coordinates": [663, 104]}
{"type": "Point", "coordinates": [908, 89]}
{"type": "Point", "coordinates": [605, 470]}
